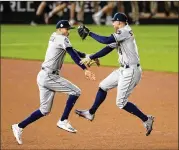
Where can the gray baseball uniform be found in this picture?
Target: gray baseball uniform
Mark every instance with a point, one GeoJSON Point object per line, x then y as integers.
{"type": "Point", "coordinates": [49, 80]}
{"type": "Point", "coordinates": [127, 77]}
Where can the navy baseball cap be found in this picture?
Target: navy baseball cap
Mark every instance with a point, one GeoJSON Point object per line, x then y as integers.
{"type": "Point", "coordinates": [120, 17]}
{"type": "Point", "coordinates": [64, 24]}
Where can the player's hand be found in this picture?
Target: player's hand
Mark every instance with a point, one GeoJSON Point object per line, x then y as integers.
{"type": "Point", "coordinates": [83, 31]}
{"type": "Point", "coordinates": [90, 75]}
{"type": "Point", "coordinates": [85, 60]}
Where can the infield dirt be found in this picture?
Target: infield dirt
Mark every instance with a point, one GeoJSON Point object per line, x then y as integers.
{"type": "Point", "coordinates": [113, 128]}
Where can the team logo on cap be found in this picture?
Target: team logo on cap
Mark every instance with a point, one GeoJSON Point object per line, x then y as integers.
{"type": "Point", "coordinates": [61, 25]}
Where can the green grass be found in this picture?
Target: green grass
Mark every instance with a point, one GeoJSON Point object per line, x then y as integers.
{"type": "Point", "coordinates": [158, 45]}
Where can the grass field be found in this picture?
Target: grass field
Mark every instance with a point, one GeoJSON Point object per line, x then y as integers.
{"type": "Point", "coordinates": [158, 45]}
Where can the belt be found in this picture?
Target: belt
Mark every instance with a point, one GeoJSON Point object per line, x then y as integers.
{"type": "Point", "coordinates": [51, 71]}
{"type": "Point", "coordinates": [128, 66]}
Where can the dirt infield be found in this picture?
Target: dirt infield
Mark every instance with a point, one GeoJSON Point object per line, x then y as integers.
{"type": "Point", "coordinates": [157, 94]}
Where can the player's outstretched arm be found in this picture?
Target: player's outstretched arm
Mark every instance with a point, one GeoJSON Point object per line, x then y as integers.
{"type": "Point", "coordinates": [106, 50]}
{"type": "Point", "coordinates": [83, 32]}
{"type": "Point", "coordinates": [74, 55]}
{"type": "Point", "coordinates": [102, 39]}
{"type": "Point", "coordinates": [81, 54]}
{"type": "Point", "coordinates": [103, 52]}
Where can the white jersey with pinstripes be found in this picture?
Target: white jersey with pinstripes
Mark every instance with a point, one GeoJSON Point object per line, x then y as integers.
{"type": "Point", "coordinates": [126, 46]}
{"type": "Point", "coordinates": [56, 51]}
{"type": "Point", "coordinates": [49, 82]}
{"type": "Point", "coordinates": [124, 78]}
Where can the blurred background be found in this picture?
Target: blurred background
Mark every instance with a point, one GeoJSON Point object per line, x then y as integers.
{"type": "Point", "coordinates": [27, 25]}
{"type": "Point", "coordinates": [88, 12]}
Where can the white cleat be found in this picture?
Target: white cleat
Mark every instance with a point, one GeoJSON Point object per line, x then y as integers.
{"type": "Point", "coordinates": [66, 126]}
{"type": "Point", "coordinates": [17, 133]}
{"type": "Point", "coordinates": [96, 19]}
{"type": "Point", "coordinates": [149, 124]}
{"type": "Point", "coordinates": [85, 114]}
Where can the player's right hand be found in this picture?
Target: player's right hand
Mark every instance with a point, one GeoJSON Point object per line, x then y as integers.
{"type": "Point", "coordinates": [90, 75]}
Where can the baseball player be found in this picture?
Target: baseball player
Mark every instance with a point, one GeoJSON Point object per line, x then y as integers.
{"type": "Point", "coordinates": [126, 77]}
{"type": "Point", "coordinates": [50, 81]}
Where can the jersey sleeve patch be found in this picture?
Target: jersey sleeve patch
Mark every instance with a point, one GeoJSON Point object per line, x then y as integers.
{"type": "Point", "coordinates": [67, 43]}
{"type": "Point", "coordinates": [120, 35]}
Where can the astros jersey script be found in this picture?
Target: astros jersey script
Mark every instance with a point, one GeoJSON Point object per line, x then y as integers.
{"type": "Point", "coordinates": [56, 51]}
{"type": "Point", "coordinates": [48, 79]}
{"type": "Point", "coordinates": [128, 75]}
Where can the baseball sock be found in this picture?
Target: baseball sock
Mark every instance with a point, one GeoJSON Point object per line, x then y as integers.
{"type": "Point", "coordinates": [100, 97]}
{"type": "Point", "coordinates": [69, 105]}
{"type": "Point", "coordinates": [131, 108]}
{"type": "Point", "coordinates": [33, 117]}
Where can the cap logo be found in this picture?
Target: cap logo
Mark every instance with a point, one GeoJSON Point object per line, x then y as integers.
{"type": "Point", "coordinates": [61, 25]}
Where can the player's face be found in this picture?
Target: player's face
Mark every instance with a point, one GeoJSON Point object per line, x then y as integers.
{"type": "Point", "coordinates": [65, 31]}
{"type": "Point", "coordinates": [116, 25]}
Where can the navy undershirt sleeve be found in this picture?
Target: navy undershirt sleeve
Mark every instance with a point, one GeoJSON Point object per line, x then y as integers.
{"type": "Point", "coordinates": [74, 55]}
{"type": "Point", "coordinates": [81, 54]}
{"type": "Point", "coordinates": [103, 39]}
{"type": "Point", "coordinates": [102, 52]}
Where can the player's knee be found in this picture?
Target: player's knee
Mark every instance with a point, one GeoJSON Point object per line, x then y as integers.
{"type": "Point", "coordinates": [77, 92]}
{"type": "Point", "coordinates": [45, 112]}
{"type": "Point", "coordinates": [103, 87]}
{"type": "Point", "coordinates": [121, 102]}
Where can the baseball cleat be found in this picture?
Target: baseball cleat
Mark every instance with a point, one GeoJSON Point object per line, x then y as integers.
{"type": "Point", "coordinates": [66, 126]}
{"type": "Point", "coordinates": [85, 114]}
{"type": "Point", "coordinates": [148, 124]}
{"type": "Point", "coordinates": [17, 133]}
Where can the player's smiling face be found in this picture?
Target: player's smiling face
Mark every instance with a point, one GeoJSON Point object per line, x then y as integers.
{"type": "Point", "coordinates": [116, 25]}
{"type": "Point", "coordinates": [65, 31]}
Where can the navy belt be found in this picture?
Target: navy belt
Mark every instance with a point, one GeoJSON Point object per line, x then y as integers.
{"type": "Point", "coordinates": [52, 72]}
{"type": "Point", "coordinates": [128, 66]}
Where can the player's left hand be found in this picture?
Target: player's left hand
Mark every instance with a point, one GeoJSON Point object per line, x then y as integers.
{"type": "Point", "coordinates": [83, 31]}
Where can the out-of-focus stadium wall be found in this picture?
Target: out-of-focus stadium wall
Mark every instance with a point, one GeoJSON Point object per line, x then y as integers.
{"type": "Point", "coordinates": [22, 12]}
